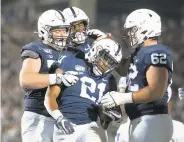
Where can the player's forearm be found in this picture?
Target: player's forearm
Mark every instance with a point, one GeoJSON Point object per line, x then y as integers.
{"type": "Point", "coordinates": [51, 103]}
{"type": "Point", "coordinates": [34, 80]}
{"type": "Point", "coordinates": [147, 95]}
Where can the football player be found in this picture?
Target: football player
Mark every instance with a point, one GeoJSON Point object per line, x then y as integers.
{"type": "Point", "coordinates": [122, 134]}
{"type": "Point", "coordinates": [75, 108]}
{"type": "Point", "coordinates": [53, 30]}
{"type": "Point", "coordinates": [150, 73]}
{"type": "Point", "coordinates": [80, 34]}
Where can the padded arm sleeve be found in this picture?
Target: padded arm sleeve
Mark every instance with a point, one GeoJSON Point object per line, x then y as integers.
{"type": "Point", "coordinates": [29, 54]}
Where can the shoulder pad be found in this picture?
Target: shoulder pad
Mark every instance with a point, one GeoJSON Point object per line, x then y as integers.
{"type": "Point", "coordinates": [160, 57]}
{"type": "Point", "coordinates": [31, 46]}
{"type": "Point", "coordinates": [157, 48]}
{"type": "Point", "coordinates": [29, 54]}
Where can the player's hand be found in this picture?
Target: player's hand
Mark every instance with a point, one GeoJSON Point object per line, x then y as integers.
{"type": "Point", "coordinates": [108, 115]}
{"type": "Point", "coordinates": [95, 33]}
{"type": "Point", "coordinates": [69, 78]}
{"type": "Point", "coordinates": [65, 125]}
{"type": "Point", "coordinates": [112, 114]}
{"type": "Point", "coordinates": [112, 99]}
{"type": "Point", "coordinates": [108, 35]}
{"type": "Point", "coordinates": [105, 119]}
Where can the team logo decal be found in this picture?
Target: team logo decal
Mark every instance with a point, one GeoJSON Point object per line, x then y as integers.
{"type": "Point", "coordinates": [79, 68]}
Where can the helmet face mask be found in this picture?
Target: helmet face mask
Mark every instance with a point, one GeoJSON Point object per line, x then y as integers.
{"type": "Point", "coordinates": [78, 32]}
{"type": "Point", "coordinates": [129, 37]}
{"type": "Point", "coordinates": [79, 23]}
{"type": "Point", "coordinates": [105, 62]}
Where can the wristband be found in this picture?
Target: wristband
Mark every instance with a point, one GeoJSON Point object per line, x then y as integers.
{"type": "Point", "coordinates": [55, 79]}
{"type": "Point", "coordinates": [56, 114]}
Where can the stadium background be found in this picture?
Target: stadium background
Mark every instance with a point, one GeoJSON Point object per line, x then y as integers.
{"type": "Point", "coordinates": [18, 21]}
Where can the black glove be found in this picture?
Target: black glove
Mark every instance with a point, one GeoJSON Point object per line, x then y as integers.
{"type": "Point", "coordinates": [65, 125]}
{"type": "Point", "coordinates": [108, 115]}
{"type": "Point", "coordinates": [95, 33]}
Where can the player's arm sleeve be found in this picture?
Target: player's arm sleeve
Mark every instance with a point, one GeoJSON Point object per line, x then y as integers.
{"type": "Point", "coordinates": [29, 54]}
{"type": "Point", "coordinates": [158, 59]}
{"type": "Point", "coordinates": [157, 66]}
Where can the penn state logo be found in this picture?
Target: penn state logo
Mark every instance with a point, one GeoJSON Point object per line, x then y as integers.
{"type": "Point", "coordinates": [79, 68]}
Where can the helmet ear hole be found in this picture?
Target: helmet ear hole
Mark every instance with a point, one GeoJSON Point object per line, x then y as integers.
{"type": "Point", "coordinates": [42, 32]}
{"type": "Point", "coordinates": [42, 38]}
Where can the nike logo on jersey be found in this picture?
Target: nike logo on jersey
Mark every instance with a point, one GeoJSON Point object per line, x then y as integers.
{"type": "Point", "coordinates": [61, 59]}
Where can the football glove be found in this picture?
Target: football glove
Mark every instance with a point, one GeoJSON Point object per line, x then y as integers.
{"type": "Point", "coordinates": [69, 78]}
{"type": "Point", "coordinates": [95, 33]}
{"type": "Point", "coordinates": [65, 125]}
{"type": "Point", "coordinates": [108, 115]}
{"type": "Point", "coordinates": [112, 99]}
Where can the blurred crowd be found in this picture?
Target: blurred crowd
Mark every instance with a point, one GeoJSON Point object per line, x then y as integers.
{"type": "Point", "coordinates": [17, 30]}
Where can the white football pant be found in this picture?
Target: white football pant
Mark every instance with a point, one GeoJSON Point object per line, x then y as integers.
{"type": "Point", "coordinates": [148, 128]}
{"type": "Point", "coordinates": [36, 127]}
{"type": "Point", "coordinates": [83, 133]}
